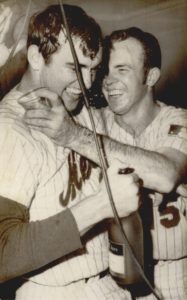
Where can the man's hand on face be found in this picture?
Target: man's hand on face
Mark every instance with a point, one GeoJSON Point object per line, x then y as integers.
{"type": "Point", "coordinates": [46, 113]}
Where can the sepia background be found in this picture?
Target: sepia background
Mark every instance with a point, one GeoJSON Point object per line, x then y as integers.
{"type": "Point", "coordinates": [165, 19]}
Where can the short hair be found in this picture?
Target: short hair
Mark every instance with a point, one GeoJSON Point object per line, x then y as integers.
{"type": "Point", "coordinates": [44, 29]}
{"type": "Point", "coordinates": [150, 44]}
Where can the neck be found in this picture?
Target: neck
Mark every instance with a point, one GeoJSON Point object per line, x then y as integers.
{"type": "Point", "coordinates": [140, 117]}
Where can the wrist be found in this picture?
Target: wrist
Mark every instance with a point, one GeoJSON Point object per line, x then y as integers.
{"type": "Point", "coordinates": [65, 133]}
{"type": "Point", "coordinates": [74, 137]}
{"type": "Point", "coordinates": [88, 212]}
{"type": "Point", "coordinates": [73, 134]}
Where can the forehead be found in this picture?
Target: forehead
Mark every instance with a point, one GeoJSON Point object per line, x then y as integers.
{"type": "Point", "coordinates": [65, 55]}
{"type": "Point", "coordinates": [127, 51]}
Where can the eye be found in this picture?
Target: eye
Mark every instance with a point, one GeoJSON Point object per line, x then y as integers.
{"type": "Point", "coordinates": [123, 70]}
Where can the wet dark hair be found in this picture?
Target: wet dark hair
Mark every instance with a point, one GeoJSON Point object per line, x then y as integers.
{"type": "Point", "coordinates": [44, 29]}
{"type": "Point", "coordinates": [150, 44]}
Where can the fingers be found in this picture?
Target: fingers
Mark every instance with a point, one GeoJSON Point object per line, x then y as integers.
{"type": "Point", "coordinates": [117, 168]}
{"type": "Point", "coordinates": [39, 98]}
{"type": "Point", "coordinates": [136, 178]}
{"type": "Point", "coordinates": [125, 188]}
{"type": "Point", "coordinates": [34, 105]}
{"type": "Point", "coordinates": [182, 190]}
{"type": "Point", "coordinates": [43, 113]}
{"type": "Point", "coordinates": [31, 101]}
{"type": "Point", "coordinates": [38, 123]}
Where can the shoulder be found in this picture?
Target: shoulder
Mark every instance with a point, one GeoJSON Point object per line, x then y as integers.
{"type": "Point", "coordinates": [15, 136]}
{"type": "Point", "coordinates": [11, 112]}
{"type": "Point", "coordinates": [12, 129]}
{"type": "Point", "coordinates": [171, 128]}
{"type": "Point", "coordinates": [172, 113]}
{"type": "Point", "coordinates": [171, 119]}
{"type": "Point", "coordinates": [12, 123]}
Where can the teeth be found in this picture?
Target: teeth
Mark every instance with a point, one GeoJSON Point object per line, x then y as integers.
{"type": "Point", "coordinates": [115, 92]}
{"type": "Point", "coordinates": [73, 91]}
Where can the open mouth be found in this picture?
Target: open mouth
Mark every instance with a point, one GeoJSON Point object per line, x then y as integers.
{"type": "Point", "coordinates": [115, 93]}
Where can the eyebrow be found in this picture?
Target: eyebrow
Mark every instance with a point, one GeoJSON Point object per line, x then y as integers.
{"type": "Point", "coordinates": [73, 65]}
{"type": "Point", "coordinates": [83, 66]}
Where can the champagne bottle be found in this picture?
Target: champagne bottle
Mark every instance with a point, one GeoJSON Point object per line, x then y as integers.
{"type": "Point", "coordinates": [121, 264]}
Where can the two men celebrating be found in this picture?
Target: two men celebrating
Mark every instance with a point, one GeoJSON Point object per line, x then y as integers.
{"type": "Point", "coordinates": [38, 170]}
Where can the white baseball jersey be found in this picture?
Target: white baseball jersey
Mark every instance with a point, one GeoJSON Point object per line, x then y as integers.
{"type": "Point", "coordinates": [168, 223]}
{"type": "Point", "coordinates": [35, 172]}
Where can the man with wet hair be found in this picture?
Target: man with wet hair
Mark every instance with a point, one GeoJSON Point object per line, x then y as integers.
{"type": "Point", "coordinates": [49, 195]}
{"type": "Point", "coordinates": [152, 140]}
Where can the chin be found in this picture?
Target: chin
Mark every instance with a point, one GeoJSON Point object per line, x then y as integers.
{"type": "Point", "coordinates": [72, 109]}
{"type": "Point", "coordinates": [114, 109]}
{"type": "Point", "coordinates": [71, 106]}
{"type": "Point", "coordinates": [117, 111]}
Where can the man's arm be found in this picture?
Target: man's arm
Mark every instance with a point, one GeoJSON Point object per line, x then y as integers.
{"type": "Point", "coordinates": [27, 246]}
{"type": "Point", "coordinates": [160, 171]}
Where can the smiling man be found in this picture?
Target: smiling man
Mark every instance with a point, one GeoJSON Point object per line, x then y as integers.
{"type": "Point", "coordinates": [152, 139]}
{"type": "Point", "coordinates": [49, 195]}
{"type": "Point", "coordinates": [127, 64]}
{"type": "Point", "coordinates": [152, 131]}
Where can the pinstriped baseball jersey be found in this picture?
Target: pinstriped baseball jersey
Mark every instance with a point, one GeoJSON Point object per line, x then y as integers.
{"type": "Point", "coordinates": [169, 225]}
{"type": "Point", "coordinates": [169, 228]}
{"type": "Point", "coordinates": [170, 277]}
{"type": "Point", "coordinates": [35, 172]}
{"type": "Point", "coordinates": [95, 289]}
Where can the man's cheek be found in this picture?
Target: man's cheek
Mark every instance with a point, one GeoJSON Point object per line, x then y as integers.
{"type": "Point", "coordinates": [105, 93]}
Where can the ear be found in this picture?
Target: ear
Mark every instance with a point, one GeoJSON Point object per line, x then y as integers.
{"type": "Point", "coordinates": [35, 58]}
{"type": "Point", "coordinates": [153, 76]}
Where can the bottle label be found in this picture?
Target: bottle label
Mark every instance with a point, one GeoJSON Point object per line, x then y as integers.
{"type": "Point", "coordinates": [117, 258]}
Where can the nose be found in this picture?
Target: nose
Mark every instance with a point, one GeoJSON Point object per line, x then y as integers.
{"type": "Point", "coordinates": [87, 77]}
{"type": "Point", "coordinates": [109, 79]}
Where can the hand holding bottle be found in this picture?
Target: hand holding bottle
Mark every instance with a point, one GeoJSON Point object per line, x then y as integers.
{"type": "Point", "coordinates": [121, 264]}
{"type": "Point", "coordinates": [124, 188]}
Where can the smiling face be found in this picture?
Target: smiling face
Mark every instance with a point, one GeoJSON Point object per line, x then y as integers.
{"type": "Point", "coordinates": [124, 87]}
{"type": "Point", "coordinates": [59, 73]}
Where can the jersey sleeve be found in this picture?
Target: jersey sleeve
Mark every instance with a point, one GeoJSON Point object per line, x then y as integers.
{"type": "Point", "coordinates": [27, 246]}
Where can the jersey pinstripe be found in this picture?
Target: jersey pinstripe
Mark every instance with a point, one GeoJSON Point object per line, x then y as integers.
{"type": "Point", "coordinates": [171, 278]}
{"type": "Point", "coordinates": [169, 226]}
{"type": "Point", "coordinates": [34, 172]}
{"type": "Point", "coordinates": [95, 289]}
{"type": "Point", "coordinates": [154, 138]}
